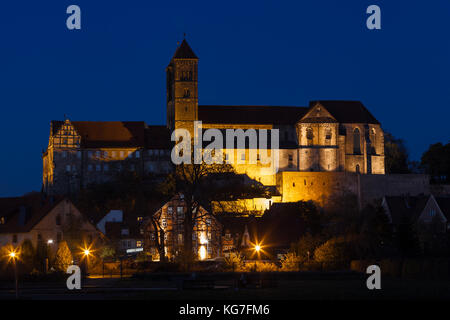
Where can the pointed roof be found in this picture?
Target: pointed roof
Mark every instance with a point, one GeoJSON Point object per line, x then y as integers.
{"type": "Point", "coordinates": [184, 51]}
{"type": "Point", "coordinates": [347, 111]}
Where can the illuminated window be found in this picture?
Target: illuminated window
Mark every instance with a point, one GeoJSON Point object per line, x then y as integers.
{"type": "Point", "coordinates": [138, 244]}
{"type": "Point", "coordinates": [170, 210]}
{"type": "Point", "coordinates": [2, 220]}
{"type": "Point", "coordinates": [97, 154]}
{"type": "Point", "coordinates": [64, 154]}
{"type": "Point", "coordinates": [180, 212]}
{"type": "Point", "coordinates": [139, 219]}
{"type": "Point", "coordinates": [180, 238]}
{"type": "Point", "coordinates": [79, 154]}
{"type": "Point", "coordinates": [68, 168]}
{"type": "Point", "coordinates": [138, 154]}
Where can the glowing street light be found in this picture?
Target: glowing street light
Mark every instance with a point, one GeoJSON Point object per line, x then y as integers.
{"type": "Point", "coordinates": [13, 255]}
{"type": "Point", "coordinates": [257, 248]}
{"type": "Point", "coordinates": [86, 252]}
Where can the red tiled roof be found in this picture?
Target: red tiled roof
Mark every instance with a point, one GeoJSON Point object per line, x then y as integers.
{"type": "Point", "coordinates": [117, 134]}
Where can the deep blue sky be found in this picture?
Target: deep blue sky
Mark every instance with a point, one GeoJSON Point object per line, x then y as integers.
{"type": "Point", "coordinates": [251, 52]}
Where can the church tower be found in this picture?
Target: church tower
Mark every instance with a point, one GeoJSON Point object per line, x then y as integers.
{"type": "Point", "coordinates": [182, 89]}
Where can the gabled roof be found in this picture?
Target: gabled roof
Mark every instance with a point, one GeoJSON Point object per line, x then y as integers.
{"type": "Point", "coordinates": [347, 111]}
{"type": "Point", "coordinates": [23, 213]}
{"type": "Point", "coordinates": [184, 51]}
{"type": "Point", "coordinates": [444, 205]}
{"type": "Point", "coordinates": [343, 111]}
{"type": "Point", "coordinates": [406, 208]}
{"type": "Point", "coordinates": [250, 114]}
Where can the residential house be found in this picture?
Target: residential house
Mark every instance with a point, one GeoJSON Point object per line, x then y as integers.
{"type": "Point", "coordinates": [169, 219]}
{"type": "Point", "coordinates": [44, 221]}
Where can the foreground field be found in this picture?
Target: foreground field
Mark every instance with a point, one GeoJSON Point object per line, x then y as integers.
{"type": "Point", "coordinates": [305, 287]}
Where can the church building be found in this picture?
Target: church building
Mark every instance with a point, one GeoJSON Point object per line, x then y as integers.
{"type": "Point", "coordinates": [321, 145]}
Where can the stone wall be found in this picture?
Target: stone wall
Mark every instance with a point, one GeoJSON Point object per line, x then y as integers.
{"type": "Point", "coordinates": [319, 186]}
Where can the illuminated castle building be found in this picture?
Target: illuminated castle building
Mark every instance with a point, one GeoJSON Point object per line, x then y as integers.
{"type": "Point", "coordinates": [324, 148]}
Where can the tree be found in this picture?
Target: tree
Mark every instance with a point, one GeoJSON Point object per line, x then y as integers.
{"type": "Point", "coordinates": [63, 257]}
{"type": "Point", "coordinates": [376, 232]}
{"type": "Point", "coordinates": [395, 155]}
{"type": "Point", "coordinates": [305, 247]}
{"type": "Point", "coordinates": [27, 254]}
{"type": "Point", "coordinates": [202, 184]}
{"type": "Point", "coordinates": [158, 235]}
{"type": "Point", "coordinates": [436, 162]}
{"type": "Point", "coordinates": [290, 262]}
{"type": "Point", "coordinates": [234, 261]}
{"type": "Point", "coordinates": [335, 252]}
{"type": "Point", "coordinates": [107, 252]}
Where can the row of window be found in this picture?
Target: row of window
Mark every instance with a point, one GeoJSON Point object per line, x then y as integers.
{"type": "Point", "coordinates": [118, 154]}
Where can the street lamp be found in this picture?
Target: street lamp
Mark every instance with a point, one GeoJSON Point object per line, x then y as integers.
{"type": "Point", "coordinates": [257, 250]}
{"type": "Point", "coordinates": [86, 253]}
{"type": "Point", "coordinates": [14, 256]}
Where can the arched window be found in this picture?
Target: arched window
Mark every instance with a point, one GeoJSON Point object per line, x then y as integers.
{"type": "Point", "coordinates": [356, 141]}
{"type": "Point", "coordinates": [373, 142]}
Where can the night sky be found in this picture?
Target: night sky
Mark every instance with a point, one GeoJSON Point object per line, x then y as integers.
{"type": "Point", "coordinates": [251, 52]}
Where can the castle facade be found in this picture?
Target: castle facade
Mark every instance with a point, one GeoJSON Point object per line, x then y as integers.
{"type": "Point", "coordinates": [321, 146]}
